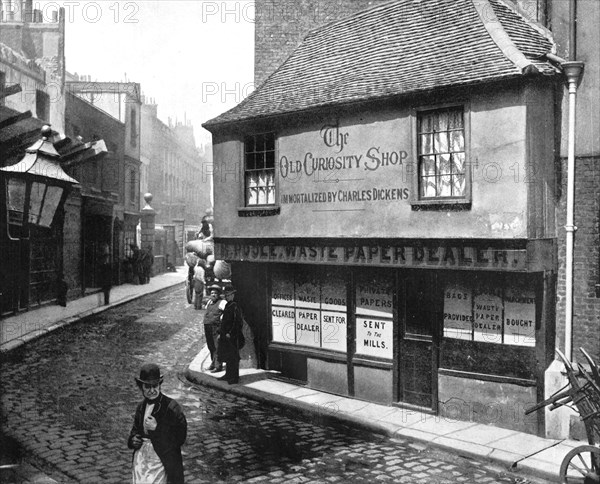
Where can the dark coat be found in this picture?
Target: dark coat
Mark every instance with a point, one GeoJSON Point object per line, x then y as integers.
{"type": "Point", "coordinates": [169, 436]}
{"type": "Point", "coordinates": [231, 324]}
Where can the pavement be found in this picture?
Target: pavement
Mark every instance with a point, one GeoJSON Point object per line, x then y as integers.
{"type": "Point", "coordinates": [523, 453]}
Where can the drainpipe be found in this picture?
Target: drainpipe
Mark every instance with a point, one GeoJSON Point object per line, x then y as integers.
{"type": "Point", "coordinates": [573, 71]}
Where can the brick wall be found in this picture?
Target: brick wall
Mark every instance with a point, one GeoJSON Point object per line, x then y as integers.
{"type": "Point", "coordinates": [282, 25]}
{"type": "Point", "coordinates": [586, 306]}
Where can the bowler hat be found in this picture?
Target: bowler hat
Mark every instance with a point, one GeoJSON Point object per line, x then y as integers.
{"type": "Point", "coordinates": [228, 289]}
{"type": "Point", "coordinates": [150, 374]}
{"type": "Point", "coordinates": [214, 287]}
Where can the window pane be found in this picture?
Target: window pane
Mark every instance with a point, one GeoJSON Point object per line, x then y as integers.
{"type": "Point", "coordinates": [16, 201]}
{"type": "Point", "coordinates": [252, 196]}
{"type": "Point", "coordinates": [428, 165]}
{"type": "Point", "coordinates": [426, 144]}
{"type": "Point", "coordinates": [252, 180]}
{"type": "Point", "coordinates": [444, 167]}
{"type": "Point", "coordinates": [249, 144]}
{"type": "Point", "coordinates": [441, 142]}
{"type": "Point", "coordinates": [270, 142]}
{"type": "Point", "coordinates": [445, 188]}
{"type": "Point", "coordinates": [458, 162]}
{"type": "Point", "coordinates": [53, 196]}
{"type": "Point", "coordinates": [271, 179]}
{"type": "Point", "coordinates": [262, 196]}
{"type": "Point", "coordinates": [38, 191]}
{"type": "Point", "coordinates": [457, 140]}
{"type": "Point", "coordinates": [455, 119]}
{"type": "Point", "coordinates": [270, 159]}
{"type": "Point", "coordinates": [271, 195]}
{"type": "Point", "coordinates": [426, 123]}
{"type": "Point", "coordinates": [428, 187]}
{"type": "Point", "coordinates": [440, 121]}
{"type": "Point", "coordinates": [250, 161]}
{"type": "Point", "coordinates": [458, 189]}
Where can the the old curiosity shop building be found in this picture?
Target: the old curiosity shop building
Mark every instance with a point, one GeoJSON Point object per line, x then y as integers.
{"type": "Point", "coordinates": [387, 200]}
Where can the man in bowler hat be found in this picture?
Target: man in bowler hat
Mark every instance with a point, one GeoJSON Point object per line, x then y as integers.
{"type": "Point", "coordinates": [230, 334]}
{"type": "Point", "coordinates": [159, 430]}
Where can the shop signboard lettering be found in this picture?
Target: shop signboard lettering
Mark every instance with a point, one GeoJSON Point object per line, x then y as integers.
{"type": "Point", "coordinates": [374, 298]}
{"type": "Point", "coordinates": [428, 256]}
{"type": "Point", "coordinates": [458, 312]}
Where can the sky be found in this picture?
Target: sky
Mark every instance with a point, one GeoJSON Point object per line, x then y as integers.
{"type": "Point", "coordinates": [195, 58]}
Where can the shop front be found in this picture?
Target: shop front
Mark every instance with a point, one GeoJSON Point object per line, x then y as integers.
{"type": "Point", "coordinates": [454, 328]}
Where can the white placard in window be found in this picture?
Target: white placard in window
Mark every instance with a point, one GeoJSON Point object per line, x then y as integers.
{"type": "Point", "coordinates": [282, 289]}
{"type": "Point", "coordinates": [374, 298]}
{"type": "Point", "coordinates": [519, 317]}
{"type": "Point", "coordinates": [283, 324]}
{"type": "Point", "coordinates": [374, 337]}
{"type": "Point", "coordinates": [458, 312]}
{"type": "Point", "coordinates": [308, 327]}
{"type": "Point", "coordinates": [334, 330]}
{"type": "Point", "coordinates": [487, 318]}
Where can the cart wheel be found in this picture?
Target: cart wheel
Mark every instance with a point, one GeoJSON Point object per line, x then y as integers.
{"type": "Point", "coordinates": [189, 291]}
{"type": "Point", "coordinates": [581, 465]}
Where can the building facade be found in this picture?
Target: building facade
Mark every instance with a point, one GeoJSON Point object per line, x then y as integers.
{"type": "Point", "coordinates": [393, 194]}
{"type": "Point", "coordinates": [175, 171]}
{"type": "Point", "coordinates": [121, 101]}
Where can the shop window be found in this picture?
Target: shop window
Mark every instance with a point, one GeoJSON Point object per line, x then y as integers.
{"type": "Point", "coordinates": [309, 308]}
{"type": "Point", "coordinates": [490, 313]}
{"type": "Point", "coordinates": [443, 176]}
{"type": "Point", "coordinates": [374, 316]}
{"type": "Point", "coordinates": [259, 169]}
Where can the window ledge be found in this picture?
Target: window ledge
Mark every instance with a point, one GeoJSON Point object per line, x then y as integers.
{"type": "Point", "coordinates": [259, 211]}
{"type": "Point", "coordinates": [441, 204]}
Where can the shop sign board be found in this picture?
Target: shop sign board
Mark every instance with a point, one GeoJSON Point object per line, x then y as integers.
{"type": "Point", "coordinates": [426, 255]}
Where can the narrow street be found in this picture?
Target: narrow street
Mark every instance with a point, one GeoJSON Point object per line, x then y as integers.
{"type": "Point", "coordinates": [69, 399]}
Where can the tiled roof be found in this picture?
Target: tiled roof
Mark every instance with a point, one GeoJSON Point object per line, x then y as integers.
{"type": "Point", "coordinates": [396, 48]}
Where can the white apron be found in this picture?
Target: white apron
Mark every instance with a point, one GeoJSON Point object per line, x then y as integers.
{"type": "Point", "coordinates": [147, 467]}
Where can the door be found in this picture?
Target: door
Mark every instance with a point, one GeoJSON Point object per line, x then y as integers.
{"type": "Point", "coordinates": [419, 340]}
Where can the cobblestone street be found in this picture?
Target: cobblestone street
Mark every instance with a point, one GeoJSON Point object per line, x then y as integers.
{"type": "Point", "coordinates": [69, 399]}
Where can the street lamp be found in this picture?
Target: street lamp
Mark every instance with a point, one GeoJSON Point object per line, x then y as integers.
{"type": "Point", "coordinates": [36, 186]}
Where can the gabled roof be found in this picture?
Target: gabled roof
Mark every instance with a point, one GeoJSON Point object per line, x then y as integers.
{"type": "Point", "coordinates": [400, 47]}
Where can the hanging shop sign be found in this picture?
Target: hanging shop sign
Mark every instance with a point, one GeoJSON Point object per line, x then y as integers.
{"type": "Point", "coordinates": [445, 256]}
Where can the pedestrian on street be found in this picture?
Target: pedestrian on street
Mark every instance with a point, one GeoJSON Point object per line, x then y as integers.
{"type": "Point", "coordinates": [198, 282]}
{"type": "Point", "coordinates": [105, 272]}
{"type": "Point", "coordinates": [230, 337]}
{"type": "Point", "coordinates": [212, 322]}
{"type": "Point", "coordinates": [147, 264]}
{"type": "Point", "coordinates": [159, 430]}
{"type": "Point", "coordinates": [136, 263]}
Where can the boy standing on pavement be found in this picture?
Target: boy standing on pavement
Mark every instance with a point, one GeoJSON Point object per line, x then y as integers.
{"type": "Point", "coordinates": [212, 321]}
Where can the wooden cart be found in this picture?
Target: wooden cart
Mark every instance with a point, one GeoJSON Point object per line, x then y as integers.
{"type": "Point", "coordinates": [582, 394]}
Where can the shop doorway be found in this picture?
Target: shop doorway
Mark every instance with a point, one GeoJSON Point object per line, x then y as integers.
{"type": "Point", "coordinates": [419, 341]}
